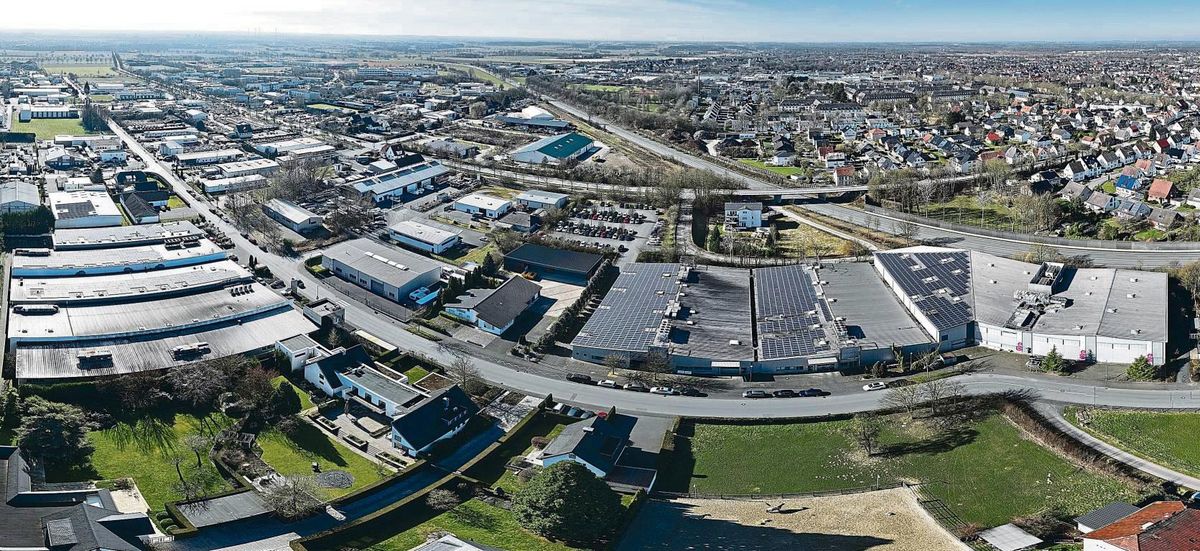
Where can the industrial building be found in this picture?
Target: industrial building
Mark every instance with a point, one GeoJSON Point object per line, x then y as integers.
{"type": "Point", "coordinates": [395, 183]}
{"type": "Point", "coordinates": [19, 196]}
{"type": "Point", "coordinates": [480, 204]}
{"type": "Point", "coordinates": [423, 236]}
{"type": "Point", "coordinates": [293, 216]}
{"type": "Point", "coordinates": [848, 316]}
{"type": "Point", "coordinates": [249, 167]}
{"type": "Point", "coordinates": [386, 271]}
{"type": "Point", "coordinates": [539, 199]}
{"type": "Point", "coordinates": [552, 263]}
{"type": "Point", "coordinates": [84, 209]}
{"type": "Point", "coordinates": [533, 117]}
{"type": "Point", "coordinates": [208, 157]}
{"type": "Point", "coordinates": [966, 298]}
{"type": "Point", "coordinates": [127, 236]}
{"type": "Point", "coordinates": [554, 149]}
{"type": "Point", "coordinates": [141, 258]}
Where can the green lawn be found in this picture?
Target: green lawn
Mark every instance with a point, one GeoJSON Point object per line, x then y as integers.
{"type": "Point", "coordinates": [81, 70]}
{"type": "Point", "coordinates": [780, 170]}
{"type": "Point", "coordinates": [1109, 187]}
{"type": "Point", "coordinates": [176, 202]}
{"type": "Point", "coordinates": [476, 521]}
{"type": "Point", "coordinates": [295, 457]}
{"type": "Point", "coordinates": [100, 97]}
{"type": "Point", "coordinates": [599, 87]}
{"type": "Point", "coordinates": [305, 400]}
{"type": "Point", "coordinates": [987, 472]}
{"type": "Point", "coordinates": [1150, 234]}
{"type": "Point", "coordinates": [416, 374]}
{"type": "Point", "coordinates": [966, 210]}
{"type": "Point", "coordinates": [1164, 438]}
{"type": "Point", "coordinates": [47, 129]}
{"type": "Point", "coordinates": [145, 450]}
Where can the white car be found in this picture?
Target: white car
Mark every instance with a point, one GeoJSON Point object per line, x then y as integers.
{"type": "Point", "coordinates": [874, 386]}
{"type": "Point", "coordinates": [608, 383]}
{"type": "Point", "coordinates": [664, 390]}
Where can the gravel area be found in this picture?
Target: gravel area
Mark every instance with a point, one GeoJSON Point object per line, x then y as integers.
{"type": "Point", "coordinates": [887, 520]}
{"type": "Point", "coordinates": [335, 479]}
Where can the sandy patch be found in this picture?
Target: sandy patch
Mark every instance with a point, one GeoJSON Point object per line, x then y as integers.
{"type": "Point", "coordinates": [887, 520]}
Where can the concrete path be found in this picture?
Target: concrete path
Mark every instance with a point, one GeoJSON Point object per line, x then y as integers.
{"type": "Point", "coordinates": [1054, 414]}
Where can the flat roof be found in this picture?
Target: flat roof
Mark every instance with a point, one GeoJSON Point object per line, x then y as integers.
{"type": "Point", "coordinates": [388, 264]}
{"type": "Point", "coordinates": [872, 315]}
{"type": "Point", "coordinates": [792, 316]}
{"type": "Point", "coordinates": [423, 232]}
{"type": "Point", "coordinates": [248, 164]}
{"type": "Point", "coordinates": [68, 205]}
{"type": "Point", "coordinates": [562, 260]}
{"type": "Point", "coordinates": [124, 256]}
{"type": "Point", "coordinates": [150, 352]}
{"type": "Point", "coordinates": [131, 287]}
{"type": "Point", "coordinates": [383, 184]}
{"type": "Point", "coordinates": [631, 315]}
{"type": "Point", "coordinates": [482, 201]}
{"type": "Point", "coordinates": [715, 312]}
{"type": "Point", "coordinates": [541, 196]}
{"type": "Point", "coordinates": [385, 387]}
{"type": "Point", "coordinates": [113, 320]}
{"type": "Point", "coordinates": [937, 280]}
{"type": "Point", "coordinates": [212, 153]}
{"type": "Point", "coordinates": [117, 236]}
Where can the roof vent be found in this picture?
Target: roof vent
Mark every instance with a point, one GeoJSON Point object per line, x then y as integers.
{"type": "Point", "coordinates": [1131, 295]}
{"type": "Point", "coordinates": [1135, 331]}
{"type": "Point", "coordinates": [1133, 280]}
{"type": "Point", "coordinates": [734, 342]}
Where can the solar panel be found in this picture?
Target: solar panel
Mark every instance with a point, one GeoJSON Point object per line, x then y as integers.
{"type": "Point", "coordinates": [792, 318]}
{"type": "Point", "coordinates": [937, 282]}
{"type": "Point", "coordinates": [632, 312]}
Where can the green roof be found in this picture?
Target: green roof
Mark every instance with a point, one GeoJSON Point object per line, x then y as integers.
{"type": "Point", "coordinates": [561, 147]}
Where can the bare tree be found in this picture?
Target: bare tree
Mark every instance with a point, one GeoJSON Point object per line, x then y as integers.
{"type": "Point", "coordinates": [463, 371]}
{"type": "Point", "coordinates": [865, 430]}
{"type": "Point", "coordinates": [442, 500]}
{"type": "Point", "coordinates": [904, 397]}
{"type": "Point", "coordinates": [293, 496]}
{"type": "Point", "coordinates": [200, 445]}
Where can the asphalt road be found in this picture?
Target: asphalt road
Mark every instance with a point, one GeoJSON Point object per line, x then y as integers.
{"type": "Point", "coordinates": [1115, 258]}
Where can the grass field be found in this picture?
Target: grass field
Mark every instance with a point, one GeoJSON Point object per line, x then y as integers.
{"type": "Point", "coordinates": [146, 450]}
{"type": "Point", "coordinates": [986, 472]}
{"type": "Point", "coordinates": [599, 87]}
{"type": "Point", "coordinates": [47, 129]}
{"type": "Point", "coordinates": [798, 240]}
{"type": "Point", "coordinates": [295, 457]}
{"type": "Point", "coordinates": [780, 170]}
{"type": "Point", "coordinates": [966, 210]}
{"type": "Point", "coordinates": [1165, 438]}
{"type": "Point", "coordinates": [475, 521]}
{"type": "Point", "coordinates": [81, 70]}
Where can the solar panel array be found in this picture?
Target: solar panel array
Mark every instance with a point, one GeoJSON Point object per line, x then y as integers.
{"type": "Point", "coordinates": [633, 310]}
{"type": "Point", "coordinates": [939, 283]}
{"type": "Point", "coordinates": [791, 318]}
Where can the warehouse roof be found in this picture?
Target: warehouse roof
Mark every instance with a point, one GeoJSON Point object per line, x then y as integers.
{"type": "Point", "coordinates": [68, 205]}
{"type": "Point", "coordinates": [67, 260]}
{"type": "Point", "coordinates": [19, 192]}
{"type": "Point", "coordinates": [422, 232]}
{"type": "Point", "coordinates": [387, 264]}
{"type": "Point", "coordinates": [541, 256]}
{"type": "Point", "coordinates": [388, 182]}
{"type": "Point", "coordinates": [541, 196]}
{"type": "Point", "coordinates": [631, 316]}
{"type": "Point", "coordinates": [871, 315]}
{"type": "Point", "coordinates": [560, 146]}
{"type": "Point", "coordinates": [792, 315]}
{"type": "Point", "coordinates": [482, 201]}
{"type": "Point", "coordinates": [131, 287]}
{"type": "Point", "coordinates": [118, 236]}
{"type": "Point", "coordinates": [714, 318]}
{"type": "Point", "coordinates": [936, 279]}
{"type": "Point", "coordinates": [290, 211]}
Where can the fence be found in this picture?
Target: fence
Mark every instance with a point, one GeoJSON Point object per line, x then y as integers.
{"type": "Point", "coordinates": [759, 497]}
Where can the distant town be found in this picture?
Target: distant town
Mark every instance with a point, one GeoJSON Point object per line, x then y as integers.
{"type": "Point", "coordinates": [282, 292]}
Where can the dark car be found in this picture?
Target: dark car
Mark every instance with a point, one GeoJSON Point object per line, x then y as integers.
{"type": "Point", "coordinates": [636, 387]}
{"type": "Point", "coordinates": [580, 378]}
{"type": "Point", "coordinates": [689, 391]}
{"type": "Point", "coordinates": [785, 393]}
{"type": "Point", "coordinates": [755, 394]}
{"type": "Point", "coordinates": [813, 392]}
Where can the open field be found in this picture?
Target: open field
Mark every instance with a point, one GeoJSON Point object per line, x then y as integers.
{"type": "Point", "coordinates": [475, 521]}
{"type": "Point", "coordinates": [47, 129]}
{"type": "Point", "coordinates": [1164, 438]}
{"type": "Point", "coordinates": [887, 520]}
{"type": "Point", "coordinates": [295, 455]}
{"type": "Point", "coordinates": [780, 170]}
{"type": "Point", "coordinates": [145, 450]}
{"type": "Point", "coordinates": [81, 70]}
{"type": "Point", "coordinates": [599, 87]}
{"type": "Point", "coordinates": [798, 240]}
{"type": "Point", "coordinates": [985, 457]}
{"type": "Point", "coordinates": [966, 210]}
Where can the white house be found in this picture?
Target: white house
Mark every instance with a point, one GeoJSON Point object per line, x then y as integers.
{"type": "Point", "coordinates": [495, 310]}
{"type": "Point", "coordinates": [744, 215]}
{"type": "Point", "coordinates": [423, 236]}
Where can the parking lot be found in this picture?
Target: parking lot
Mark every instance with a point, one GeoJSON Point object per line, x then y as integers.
{"type": "Point", "coordinates": [609, 224]}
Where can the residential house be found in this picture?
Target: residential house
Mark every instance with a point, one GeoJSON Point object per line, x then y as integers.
{"type": "Point", "coordinates": [439, 417]}
{"type": "Point", "coordinates": [1075, 191]}
{"type": "Point", "coordinates": [1161, 190]}
{"type": "Point", "coordinates": [1101, 202]}
{"type": "Point", "coordinates": [1160, 526]}
{"type": "Point", "coordinates": [843, 176]}
{"type": "Point", "coordinates": [1129, 209]}
{"type": "Point", "coordinates": [495, 310]}
{"type": "Point", "coordinates": [744, 215]}
{"type": "Point", "coordinates": [1127, 186]}
{"type": "Point", "coordinates": [1163, 219]}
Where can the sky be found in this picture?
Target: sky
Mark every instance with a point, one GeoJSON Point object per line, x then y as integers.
{"type": "Point", "coordinates": [658, 20]}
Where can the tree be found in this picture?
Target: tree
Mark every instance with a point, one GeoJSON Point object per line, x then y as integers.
{"type": "Point", "coordinates": [93, 117]}
{"type": "Point", "coordinates": [285, 401]}
{"type": "Point", "coordinates": [864, 430]}
{"type": "Point", "coordinates": [1053, 362]}
{"type": "Point", "coordinates": [1142, 370]}
{"type": "Point", "coordinates": [463, 371]}
{"type": "Point", "coordinates": [54, 431]}
{"type": "Point", "coordinates": [293, 496]}
{"type": "Point", "coordinates": [567, 502]}
{"type": "Point", "coordinates": [713, 242]}
{"type": "Point", "coordinates": [488, 266]}
{"type": "Point", "coordinates": [442, 500]}
{"type": "Point", "coordinates": [201, 383]}
{"type": "Point", "coordinates": [614, 362]}
{"type": "Point", "coordinates": [906, 397]}
{"type": "Point", "coordinates": [255, 389]}
{"type": "Point", "coordinates": [134, 392]}
{"type": "Point", "coordinates": [199, 444]}
{"type": "Point", "coordinates": [477, 110]}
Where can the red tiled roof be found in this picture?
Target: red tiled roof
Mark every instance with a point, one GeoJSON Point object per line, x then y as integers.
{"type": "Point", "coordinates": [1131, 526]}
{"type": "Point", "coordinates": [1178, 533]}
{"type": "Point", "coordinates": [1161, 188]}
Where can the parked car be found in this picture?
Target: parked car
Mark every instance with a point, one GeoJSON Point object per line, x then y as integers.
{"type": "Point", "coordinates": [785, 393]}
{"type": "Point", "coordinates": [877, 385]}
{"type": "Point", "coordinates": [609, 383]}
{"type": "Point", "coordinates": [636, 387]}
{"type": "Point", "coordinates": [689, 391]}
{"type": "Point", "coordinates": [580, 378]}
{"type": "Point", "coordinates": [755, 394]}
{"type": "Point", "coordinates": [664, 391]}
{"type": "Point", "coordinates": [814, 392]}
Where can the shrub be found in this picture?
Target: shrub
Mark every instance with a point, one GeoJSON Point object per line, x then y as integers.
{"type": "Point", "coordinates": [567, 502]}
{"type": "Point", "coordinates": [1142, 370]}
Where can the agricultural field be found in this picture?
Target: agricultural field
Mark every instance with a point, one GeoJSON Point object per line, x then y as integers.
{"type": "Point", "coordinates": [81, 70]}
{"type": "Point", "coordinates": [985, 457]}
{"type": "Point", "coordinates": [1164, 438]}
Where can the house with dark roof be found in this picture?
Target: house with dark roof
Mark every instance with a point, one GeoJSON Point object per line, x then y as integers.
{"type": "Point", "coordinates": [610, 448]}
{"type": "Point", "coordinates": [439, 417]}
{"type": "Point", "coordinates": [62, 520]}
{"type": "Point", "coordinates": [1160, 526]}
{"type": "Point", "coordinates": [1104, 516]}
{"type": "Point", "coordinates": [495, 310]}
{"type": "Point", "coordinates": [140, 211]}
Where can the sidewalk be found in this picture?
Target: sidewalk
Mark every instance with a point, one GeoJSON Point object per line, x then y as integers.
{"type": "Point", "coordinates": [1054, 414]}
